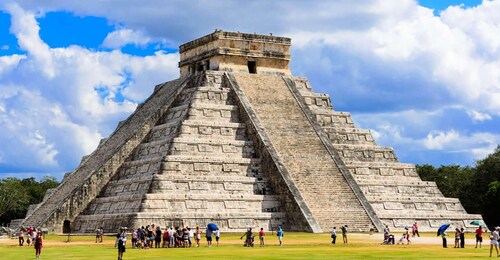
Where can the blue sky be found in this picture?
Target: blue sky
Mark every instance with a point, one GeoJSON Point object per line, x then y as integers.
{"type": "Point", "coordinates": [424, 76]}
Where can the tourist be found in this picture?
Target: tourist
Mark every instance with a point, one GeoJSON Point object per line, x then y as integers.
{"type": "Point", "coordinates": [344, 233]}
{"type": "Point", "coordinates": [134, 238]}
{"type": "Point", "coordinates": [28, 239]}
{"type": "Point", "coordinates": [98, 234]}
{"type": "Point", "coordinates": [166, 238]}
{"type": "Point", "coordinates": [262, 235]}
{"type": "Point", "coordinates": [479, 236]}
{"type": "Point", "coordinates": [457, 238]}
{"type": "Point", "coordinates": [414, 229]}
{"type": "Point", "coordinates": [443, 236]}
{"type": "Point", "coordinates": [38, 245]}
{"type": "Point", "coordinates": [334, 235]}
{"type": "Point", "coordinates": [185, 237]}
{"type": "Point", "coordinates": [21, 238]}
{"type": "Point", "coordinates": [171, 235]}
{"type": "Point", "coordinates": [248, 238]}
{"type": "Point", "coordinates": [191, 236]}
{"type": "Point", "coordinates": [208, 235]}
{"type": "Point", "coordinates": [462, 238]}
{"type": "Point", "coordinates": [494, 236]}
{"type": "Point", "coordinates": [150, 236]}
{"type": "Point", "coordinates": [122, 240]}
{"type": "Point", "coordinates": [197, 234]}
{"type": "Point", "coordinates": [158, 237]}
{"type": "Point", "coordinates": [279, 234]}
{"type": "Point", "coordinates": [217, 236]}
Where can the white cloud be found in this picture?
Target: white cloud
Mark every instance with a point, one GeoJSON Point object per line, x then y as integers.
{"type": "Point", "coordinates": [393, 63]}
{"type": "Point", "coordinates": [122, 37]}
{"type": "Point", "coordinates": [57, 103]}
{"type": "Point", "coordinates": [478, 116]}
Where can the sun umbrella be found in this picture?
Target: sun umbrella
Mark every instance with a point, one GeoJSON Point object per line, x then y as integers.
{"type": "Point", "coordinates": [442, 228]}
{"type": "Point", "coordinates": [476, 223]}
{"type": "Point", "coordinates": [212, 226]}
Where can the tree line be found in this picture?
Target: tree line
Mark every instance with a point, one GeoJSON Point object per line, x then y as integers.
{"type": "Point", "coordinates": [17, 194]}
{"type": "Point", "coordinates": [478, 187]}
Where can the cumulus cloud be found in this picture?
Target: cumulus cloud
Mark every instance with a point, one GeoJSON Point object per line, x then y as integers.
{"type": "Point", "coordinates": [119, 38]}
{"type": "Point", "coordinates": [414, 78]}
{"type": "Point", "coordinates": [478, 116]}
{"type": "Point", "coordinates": [57, 103]}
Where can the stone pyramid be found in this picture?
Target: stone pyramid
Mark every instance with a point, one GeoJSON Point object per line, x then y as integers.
{"type": "Point", "coordinates": [238, 141]}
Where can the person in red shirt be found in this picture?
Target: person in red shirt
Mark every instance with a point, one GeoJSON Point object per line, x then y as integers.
{"type": "Point", "coordinates": [479, 236]}
{"type": "Point", "coordinates": [38, 245]}
{"type": "Point", "coordinates": [262, 234]}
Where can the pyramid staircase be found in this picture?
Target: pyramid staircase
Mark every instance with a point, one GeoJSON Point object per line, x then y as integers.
{"type": "Point", "coordinates": [395, 191]}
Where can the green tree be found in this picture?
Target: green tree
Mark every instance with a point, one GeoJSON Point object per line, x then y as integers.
{"type": "Point", "coordinates": [16, 195]}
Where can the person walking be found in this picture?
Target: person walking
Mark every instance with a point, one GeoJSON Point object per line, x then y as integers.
{"type": "Point", "coordinates": [279, 234]}
{"type": "Point", "coordinates": [38, 245]}
{"type": "Point", "coordinates": [344, 233]}
{"type": "Point", "coordinates": [494, 236]}
{"type": "Point", "coordinates": [334, 235]}
{"type": "Point", "coordinates": [479, 236]}
{"type": "Point", "coordinates": [415, 230]}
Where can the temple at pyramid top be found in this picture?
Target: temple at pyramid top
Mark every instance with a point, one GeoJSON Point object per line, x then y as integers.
{"type": "Point", "coordinates": [236, 52]}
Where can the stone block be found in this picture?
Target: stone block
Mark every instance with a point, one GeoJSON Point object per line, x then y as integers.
{"type": "Point", "coordinates": [393, 206]}
{"type": "Point", "coordinates": [196, 204]}
{"type": "Point", "coordinates": [205, 167]}
{"type": "Point", "coordinates": [198, 185]}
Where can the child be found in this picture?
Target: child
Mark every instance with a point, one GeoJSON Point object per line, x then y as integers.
{"type": "Point", "coordinates": [262, 234]}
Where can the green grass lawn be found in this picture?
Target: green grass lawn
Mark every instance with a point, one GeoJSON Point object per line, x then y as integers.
{"type": "Point", "coordinates": [296, 246]}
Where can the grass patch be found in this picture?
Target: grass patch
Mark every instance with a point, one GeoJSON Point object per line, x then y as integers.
{"type": "Point", "coordinates": [296, 246]}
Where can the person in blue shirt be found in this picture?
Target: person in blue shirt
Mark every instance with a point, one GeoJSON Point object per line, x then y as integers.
{"type": "Point", "coordinates": [279, 233]}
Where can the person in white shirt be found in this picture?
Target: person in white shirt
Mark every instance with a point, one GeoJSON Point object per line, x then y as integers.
{"type": "Point", "coordinates": [494, 236]}
{"type": "Point", "coordinates": [334, 235]}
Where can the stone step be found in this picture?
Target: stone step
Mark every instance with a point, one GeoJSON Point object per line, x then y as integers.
{"type": "Point", "coordinates": [426, 215]}
{"type": "Point", "coordinates": [395, 181]}
{"type": "Point", "coordinates": [390, 178]}
{"type": "Point", "coordinates": [342, 135]}
{"type": "Point", "coordinates": [334, 119]}
{"type": "Point", "coordinates": [211, 147]}
{"type": "Point", "coordinates": [317, 101]}
{"type": "Point", "coordinates": [365, 153]}
{"type": "Point", "coordinates": [212, 95]}
{"type": "Point", "coordinates": [416, 191]}
{"type": "Point", "coordinates": [215, 129]}
{"type": "Point", "coordinates": [409, 199]}
{"type": "Point", "coordinates": [381, 169]}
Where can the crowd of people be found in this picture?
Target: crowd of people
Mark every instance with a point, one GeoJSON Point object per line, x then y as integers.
{"type": "Point", "coordinates": [33, 238]}
{"type": "Point", "coordinates": [152, 236]}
